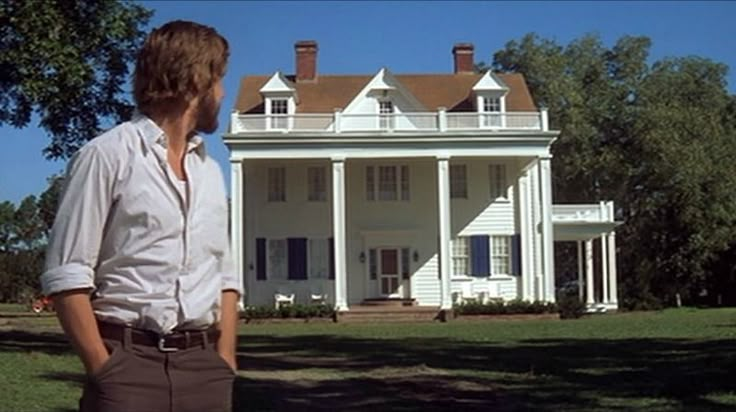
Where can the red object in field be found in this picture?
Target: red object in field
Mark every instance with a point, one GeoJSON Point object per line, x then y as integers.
{"type": "Point", "coordinates": [41, 304]}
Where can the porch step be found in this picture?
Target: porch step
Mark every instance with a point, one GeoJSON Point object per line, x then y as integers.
{"type": "Point", "coordinates": [389, 302]}
{"type": "Point", "coordinates": [380, 314]}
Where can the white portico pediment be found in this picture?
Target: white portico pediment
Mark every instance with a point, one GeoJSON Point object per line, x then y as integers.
{"type": "Point", "coordinates": [490, 83]}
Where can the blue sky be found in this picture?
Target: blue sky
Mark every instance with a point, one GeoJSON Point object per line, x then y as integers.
{"type": "Point", "coordinates": [407, 37]}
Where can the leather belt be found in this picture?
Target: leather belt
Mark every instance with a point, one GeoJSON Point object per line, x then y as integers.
{"type": "Point", "coordinates": [171, 342]}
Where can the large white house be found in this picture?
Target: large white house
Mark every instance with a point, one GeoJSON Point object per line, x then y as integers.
{"type": "Point", "coordinates": [422, 187]}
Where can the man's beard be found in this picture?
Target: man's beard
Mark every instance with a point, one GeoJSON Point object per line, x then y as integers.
{"type": "Point", "coordinates": [207, 121]}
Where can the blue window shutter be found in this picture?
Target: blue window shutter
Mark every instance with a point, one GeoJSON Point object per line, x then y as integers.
{"type": "Point", "coordinates": [260, 259]}
{"type": "Point", "coordinates": [479, 255]}
{"type": "Point", "coordinates": [332, 258]}
{"type": "Point", "coordinates": [516, 254]}
{"type": "Point", "coordinates": [297, 251]}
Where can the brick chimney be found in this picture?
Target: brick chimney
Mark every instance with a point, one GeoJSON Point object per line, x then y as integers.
{"type": "Point", "coordinates": [463, 53]}
{"type": "Point", "coordinates": [306, 60]}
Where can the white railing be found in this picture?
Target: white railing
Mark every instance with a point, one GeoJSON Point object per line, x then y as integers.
{"type": "Point", "coordinates": [600, 212]}
{"type": "Point", "coordinates": [339, 122]}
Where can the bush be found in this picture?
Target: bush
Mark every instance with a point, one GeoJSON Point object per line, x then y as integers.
{"type": "Point", "coordinates": [288, 312]}
{"type": "Point", "coordinates": [497, 307]}
{"type": "Point", "coordinates": [570, 307]}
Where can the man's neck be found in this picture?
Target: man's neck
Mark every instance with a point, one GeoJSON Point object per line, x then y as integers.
{"type": "Point", "coordinates": [177, 130]}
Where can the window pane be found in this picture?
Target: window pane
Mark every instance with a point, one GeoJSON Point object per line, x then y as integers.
{"type": "Point", "coordinates": [387, 183]}
{"type": "Point", "coordinates": [277, 261]}
{"type": "Point", "coordinates": [385, 109]}
{"type": "Point", "coordinates": [460, 256]}
{"type": "Point", "coordinates": [404, 182]}
{"type": "Point", "coordinates": [317, 184]}
{"type": "Point", "coordinates": [370, 184]}
{"type": "Point", "coordinates": [372, 264]}
{"type": "Point", "coordinates": [405, 263]}
{"type": "Point", "coordinates": [276, 184]}
{"type": "Point", "coordinates": [497, 178]}
{"type": "Point", "coordinates": [501, 255]}
{"type": "Point", "coordinates": [318, 258]}
{"type": "Point", "coordinates": [458, 181]}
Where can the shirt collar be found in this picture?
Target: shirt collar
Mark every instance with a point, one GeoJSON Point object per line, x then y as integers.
{"type": "Point", "coordinates": [151, 134]}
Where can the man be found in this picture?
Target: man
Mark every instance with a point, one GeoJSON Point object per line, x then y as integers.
{"type": "Point", "coordinates": [138, 262]}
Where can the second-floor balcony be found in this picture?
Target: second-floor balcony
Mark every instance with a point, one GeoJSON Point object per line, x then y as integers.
{"type": "Point", "coordinates": [422, 122]}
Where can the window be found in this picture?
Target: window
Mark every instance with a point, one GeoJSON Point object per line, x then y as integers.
{"type": "Point", "coordinates": [385, 111]}
{"type": "Point", "coordinates": [497, 179]}
{"type": "Point", "coordinates": [405, 263]}
{"type": "Point", "coordinates": [370, 183]}
{"type": "Point", "coordinates": [279, 110]}
{"type": "Point", "coordinates": [277, 259]}
{"type": "Point", "coordinates": [458, 182]}
{"type": "Point", "coordinates": [461, 256]}
{"type": "Point", "coordinates": [316, 184]}
{"type": "Point", "coordinates": [404, 182]}
{"type": "Point", "coordinates": [492, 112]}
{"type": "Point", "coordinates": [373, 264]}
{"type": "Point", "coordinates": [491, 105]}
{"type": "Point", "coordinates": [276, 184]}
{"type": "Point", "coordinates": [319, 264]}
{"type": "Point", "coordinates": [393, 183]}
{"type": "Point", "coordinates": [501, 255]}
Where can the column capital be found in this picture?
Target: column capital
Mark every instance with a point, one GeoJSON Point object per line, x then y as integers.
{"type": "Point", "coordinates": [338, 159]}
{"type": "Point", "coordinates": [443, 157]}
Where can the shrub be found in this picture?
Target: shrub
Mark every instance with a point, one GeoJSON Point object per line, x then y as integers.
{"type": "Point", "coordinates": [570, 307]}
{"type": "Point", "coordinates": [497, 307]}
{"type": "Point", "coordinates": [288, 311]}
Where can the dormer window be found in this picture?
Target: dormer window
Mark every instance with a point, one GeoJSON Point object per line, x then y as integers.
{"type": "Point", "coordinates": [279, 112]}
{"type": "Point", "coordinates": [385, 114]}
{"type": "Point", "coordinates": [491, 112]}
{"type": "Point", "coordinates": [491, 104]}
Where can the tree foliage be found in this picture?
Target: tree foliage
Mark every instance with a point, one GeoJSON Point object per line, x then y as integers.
{"type": "Point", "coordinates": [23, 233]}
{"type": "Point", "coordinates": [67, 62]}
{"type": "Point", "coordinates": [657, 138]}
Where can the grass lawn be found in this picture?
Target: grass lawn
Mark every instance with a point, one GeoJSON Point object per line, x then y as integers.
{"type": "Point", "coordinates": [675, 360]}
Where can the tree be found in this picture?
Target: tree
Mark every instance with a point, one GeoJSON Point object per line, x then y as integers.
{"type": "Point", "coordinates": [655, 138]}
{"type": "Point", "coordinates": [67, 62]}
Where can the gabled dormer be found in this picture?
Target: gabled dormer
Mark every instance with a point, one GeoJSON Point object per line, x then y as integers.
{"type": "Point", "coordinates": [386, 99]}
{"type": "Point", "coordinates": [280, 100]}
{"type": "Point", "coordinates": [490, 97]}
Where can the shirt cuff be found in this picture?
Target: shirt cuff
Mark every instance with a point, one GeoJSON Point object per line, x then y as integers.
{"type": "Point", "coordinates": [231, 283]}
{"type": "Point", "coordinates": [67, 277]}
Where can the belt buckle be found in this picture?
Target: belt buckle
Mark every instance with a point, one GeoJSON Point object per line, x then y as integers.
{"type": "Point", "coordinates": [162, 345]}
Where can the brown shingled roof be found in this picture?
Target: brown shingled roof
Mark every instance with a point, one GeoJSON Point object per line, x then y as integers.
{"type": "Point", "coordinates": [452, 91]}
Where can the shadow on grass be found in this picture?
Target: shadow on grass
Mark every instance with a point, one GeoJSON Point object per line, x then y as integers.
{"type": "Point", "coordinates": [324, 372]}
{"type": "Point", "coordinates": [328, 372]}
{"type": "Point", "coordinates": [52, 343]}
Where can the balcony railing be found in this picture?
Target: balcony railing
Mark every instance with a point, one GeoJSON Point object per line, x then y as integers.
{"type": "Point", "coordinates": [600, 212]}
{"type": "Point", "coordinates": [338, 122]}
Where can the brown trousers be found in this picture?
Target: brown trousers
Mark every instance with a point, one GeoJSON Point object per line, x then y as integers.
{"type": "Point", "coordinates": [140, 378]}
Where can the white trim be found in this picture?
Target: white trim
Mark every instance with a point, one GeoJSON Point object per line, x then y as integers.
{"type": "Point", "coordinates": [443, 196]}
{"type": "Point", "coordinates": [338, 227]}
{"type": "Point", "coordinates": [604, 268]}
{"type": "Point", "coordinates": [612, 269]}
{"type": "Point", "coordinates": [548, 263]}
{"type": "Point", "coordinates": [237, 211]}
{"type": "Point", "coordinates": [589, 268]}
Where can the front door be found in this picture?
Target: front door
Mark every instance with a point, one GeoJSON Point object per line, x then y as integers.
{"type": "Point", "coordinates": [389, 276]}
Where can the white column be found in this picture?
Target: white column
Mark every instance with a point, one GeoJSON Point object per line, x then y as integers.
{"type": "Point", "coordinates": [548, 253]}
{"type": "Point", "coordinates": [338, 230]}
{"type": "Point", "coordinates": [589, 268]}
{"type": "Point", "coordinates": [443, 196]}
{"type": "Point", "coordinates": [535, 230]}
{"type": "Point", "coordinates": [604, 268]}
{"type": "Point", "coordinates": [581, 270]}
{"type": "Point", "coordinates": [612, 287]}
{"type": "Point", "coordinates": [237, 211]}
{"type": "Point", "coordinates": [526, 268]}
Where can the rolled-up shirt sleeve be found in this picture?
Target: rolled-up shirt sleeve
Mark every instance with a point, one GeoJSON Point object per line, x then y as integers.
{"type": "Point", "coordinates": [229, 278]}
{"type": "Point", "coordinates": [76, 236]}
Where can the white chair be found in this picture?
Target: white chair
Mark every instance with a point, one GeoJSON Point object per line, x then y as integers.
{"type": "Point", "coordinates": [481, 294]}
{"type": "Point", "coordinates": [318, 298]}
{"type": "Point", "coordinates": [283, 299]}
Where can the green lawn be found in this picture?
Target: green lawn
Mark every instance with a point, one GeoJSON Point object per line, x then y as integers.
{"type": "Point", "coordinates": [675, 360]}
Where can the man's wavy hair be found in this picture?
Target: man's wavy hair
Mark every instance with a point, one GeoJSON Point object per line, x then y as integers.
{"type": "Point", "coordinates": [178, 62]}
